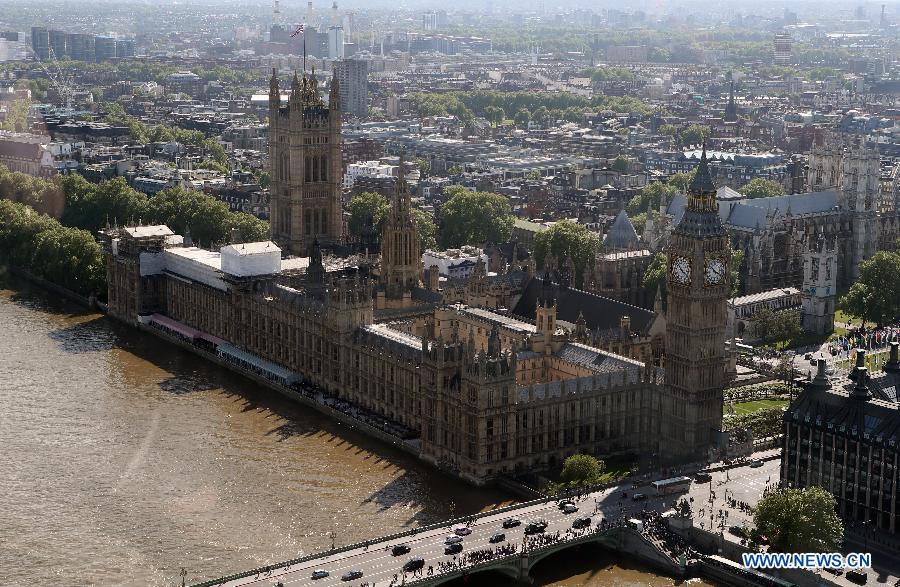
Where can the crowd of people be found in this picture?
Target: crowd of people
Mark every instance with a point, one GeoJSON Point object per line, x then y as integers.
{"type": "Point", "coordinates": [657, 530]}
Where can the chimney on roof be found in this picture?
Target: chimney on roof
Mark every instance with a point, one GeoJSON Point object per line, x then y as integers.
{"type": "Point", "coordinates": [893, 364]}
{"type": "Point", "coordinates": [860, 364]}
{"type": "Point", "coordinates": [821, 380]}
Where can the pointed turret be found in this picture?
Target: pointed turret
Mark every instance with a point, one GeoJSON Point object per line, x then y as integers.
{"type": "Point", "coordinates": [731, 108]}
{"type": "Point", "coordinates": [334, 95]}
{"type": "Point", "coordinates": [296, 99]}
{"type": "Point", "coordinates": [274, 91]}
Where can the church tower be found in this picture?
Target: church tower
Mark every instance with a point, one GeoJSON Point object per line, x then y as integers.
{"type": "Point", "coordinates": [819, 284]}
{"type": "Point", "coordinates": [305, 165]}
{"type": "Point", "coordinates": [401, 255]}
{"type": "Point", "coordinates": [731, 107]}
{"type": "Point", "coordinates": [696, 321]}
{"type": "Point", "coordinates": [860, 172]}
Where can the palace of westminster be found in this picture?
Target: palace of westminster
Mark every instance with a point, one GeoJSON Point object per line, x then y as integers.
{"type": "Point", "coordinates": [501, 375]}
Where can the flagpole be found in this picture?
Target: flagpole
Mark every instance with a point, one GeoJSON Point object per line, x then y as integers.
{"type": "Point", "coordinates": [304, 50]}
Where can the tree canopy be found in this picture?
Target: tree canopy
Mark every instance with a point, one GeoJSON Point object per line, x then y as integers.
{"type": "Point", "coordinates": [655, 275]}
{"type": "Point", "coordinates": [762, 188]}
{"type": "Point", "coordinates": [474, 218]}
{"type": "Point", "coordinates": [368, 211]}
{"type": "Point", "coordinates": [567, 240]}
{"type": "Point", "coordinates": [695, 134]}
{"type": "Point", "coordinates": [68, 257]}
{"type": "Point", "coordinates": [875, 296]}
{"type": "Point", "coordinates": [800, 520]}
{"type": "Point", "coordinates": [581, 470]}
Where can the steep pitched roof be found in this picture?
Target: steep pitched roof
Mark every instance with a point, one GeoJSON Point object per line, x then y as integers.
{"type": "Point", "coordinates": [600, 313]}
{"type": "Point", "coordinates": [622, 234]}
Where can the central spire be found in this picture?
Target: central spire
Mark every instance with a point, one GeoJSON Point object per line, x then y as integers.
{"type": "Point", "coordinates": [702, 189]}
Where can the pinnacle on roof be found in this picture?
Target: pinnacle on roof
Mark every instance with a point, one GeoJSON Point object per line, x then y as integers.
{"type": "Point", "coordinates": [702, 184]}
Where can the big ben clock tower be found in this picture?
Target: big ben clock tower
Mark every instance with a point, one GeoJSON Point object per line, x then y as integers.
{"type": "Point", "coordinates": [696, 319]}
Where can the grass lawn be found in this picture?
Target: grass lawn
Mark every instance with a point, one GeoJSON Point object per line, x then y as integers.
{"type": "Point", "coordinates": [757, 405]}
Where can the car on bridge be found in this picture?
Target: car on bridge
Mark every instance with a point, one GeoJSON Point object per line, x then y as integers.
{"type": "Point", "coordinates": [702, 477]}
{"type": "Point", "coordinates": [319, 574]}
{"type": "Point", "coordinates": [453, 548]}
{"type": "Point", "coordinates": [498, 537]}
{"type": "Point", "coordinates": [414, 564]}
{"type": "Point", "coordinates": [566, 502]}
{"type": "Point", "coordinates": [351, 575]}
{"type": "Point", "coordinates": [453, 539]}
{"type": "Point", "coordinates": [536, 526]}
{"type": "Point", "coordinates": [399, 549]}
{"type": "Point", "coordinates": [570, 508]}
{"type": "Point", "coordinates": [581, 523]}
{"type": "Point", "coordinates": [462, 530]}
{"type": "Point", "coordinates": [511, 523]}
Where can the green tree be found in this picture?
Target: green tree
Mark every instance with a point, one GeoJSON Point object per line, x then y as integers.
{"type": "Point", "coordinates": [681, 181]}
{"type": "Point", "coordinates": [800, 520]}
{"type": "Point", "coordinates": [567, 240]}
{"type": "Point", "coordinates": [650, 197]}
{"type": "Point", "coordinates": [474, 218]}
{"type": "Point", "coordinates": [762, 188]}
{"type": "Point", "coordinates": [669, 130]}
{"type": "Point", "coordinates": [655, 275]}
{"type": "Point", "coordinates": [695, 134]}
{"type": "Point", "coordinates": [620, 164]}
{"type": "Point", "coordinates": [90, 206]}
{"type": "Point", "coordinates": [17, 116]}
{"type": "Point", "coordinates": [494, 114]}
{"type": "Point", "coordinates": [737, 259]}
{"type": "Point", "coordinates": [581, 470]}
{"type": "Point", "coordinates": [368, 211]}
{"type": "Point", "coordinates": [875, 296]}
{"type": "Point", "coordinates": [455, 170]}
{"type": "Point", "coordinates": [522, 118]}
{"type": "Point", "coordinates": [540, 115]}
{"type": "Point", "coordinates": [427, 229]}
{"type": "Point", "coordinates": [209, 220]}
{"type": "Point", "coordinates": [265, 180]}
{"type": "Point", "coordinates": [769, 326]}
{"type": "Point", "coordinates": [213, 166]}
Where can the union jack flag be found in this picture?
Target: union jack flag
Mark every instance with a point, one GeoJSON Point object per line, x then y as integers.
{"type": "Point", "coordinates": [298, 31]}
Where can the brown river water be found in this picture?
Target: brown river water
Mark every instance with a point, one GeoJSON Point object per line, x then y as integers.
{"type": "Point", "coordinates": [123, 459]}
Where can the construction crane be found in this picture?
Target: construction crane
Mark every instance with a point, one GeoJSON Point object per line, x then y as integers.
{"type": "Point", "coordinates": [60, 81]}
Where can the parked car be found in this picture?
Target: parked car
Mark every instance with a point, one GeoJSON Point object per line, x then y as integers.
{"type": "Point", "coordinates": [498, 537]}
{"type": "Point", "coordinates": [351, 575]}
{"type": "Point", "coordinates": [453, 548]}
{"type": "Point", "coordinates": [756, 463]}
{"type": "Point", "coordinates": [462, 530]}
{"type": "Point", "coordinates": [639, 497]}
{"type": "Point", "coordinates": [570, 508]}
{"type": "Point", "coordinates": [702, 477]}
{"type": "Point", "coordinates": [562, 505]}
{"type": "Point", "coordinates": [511, 522]}
{"type": "Point", "coordinates": [414, 564]}
{"type": "Point", "coordinates": [319, 574]}
{"type": "Point", "coordinates": [399, 549]}
{"type": "Point", "coordinates": [453, 539]}
{"type": "Point", "coordinates": [581, 523]}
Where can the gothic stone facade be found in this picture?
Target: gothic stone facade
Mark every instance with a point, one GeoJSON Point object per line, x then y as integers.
{"type": "Point", "coordinates": [305, 164]}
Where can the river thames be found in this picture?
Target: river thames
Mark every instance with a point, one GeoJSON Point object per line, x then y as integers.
{"type": "Point", "coordinates": [126, 459]}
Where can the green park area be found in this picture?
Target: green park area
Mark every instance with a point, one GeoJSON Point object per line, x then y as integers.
{"type": "Point", "coordinates": [757, 405]}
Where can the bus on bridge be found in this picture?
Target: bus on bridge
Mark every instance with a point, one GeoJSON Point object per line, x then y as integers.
{"type": "Point", "coordinates": [673, 485]}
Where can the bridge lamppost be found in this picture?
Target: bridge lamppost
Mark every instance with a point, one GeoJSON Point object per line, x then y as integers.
{"type": "Point", "coordinates": [183, 575]}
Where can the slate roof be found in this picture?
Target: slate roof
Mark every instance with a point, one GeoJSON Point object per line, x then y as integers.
{"type": "Point", "coordinates": [600, 313]}
{"type": "Point", "coordinates": [750, 213]}
{"type": "Point", "coordinates": [595, 359]}
{"type": "Point", "coordinates": [622, 234]}
{"type": "Point", "coordinates": [836, 409]}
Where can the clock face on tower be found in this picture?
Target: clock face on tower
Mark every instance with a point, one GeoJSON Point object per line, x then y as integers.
{"type": "Point", "coordinates": [715, 271]}
{"type": "Point", "coordinates": [681, 270]}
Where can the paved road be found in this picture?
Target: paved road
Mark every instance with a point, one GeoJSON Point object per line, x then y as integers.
{"type": "Point", "coordinates": [379, 567]}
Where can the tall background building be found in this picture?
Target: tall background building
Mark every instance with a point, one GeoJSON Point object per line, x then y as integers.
{"type": "Point", "coordinates": [353, 75]}
{"type": "Point", "coordinates": [783, 44]}
{"type": "Point", "coordinates": [335, 42]}
{"type": "Point", "coordinates": [40, 43]}
{"type": "Point", "coordinates": [104, 48]}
